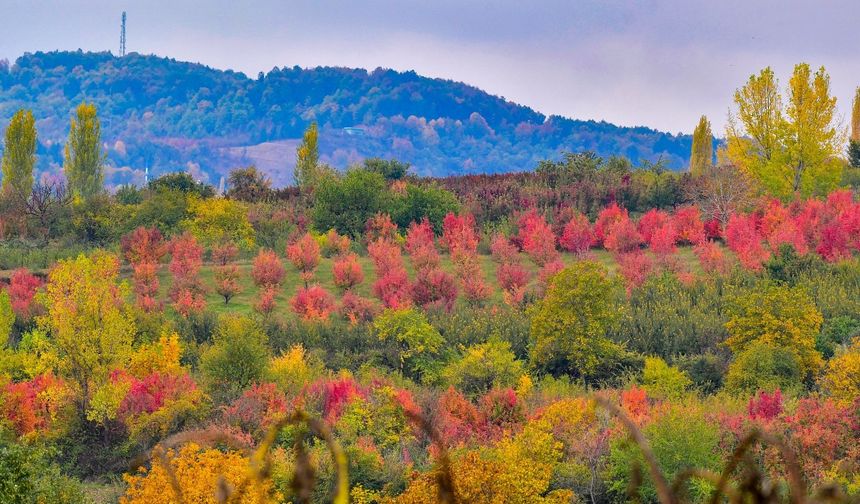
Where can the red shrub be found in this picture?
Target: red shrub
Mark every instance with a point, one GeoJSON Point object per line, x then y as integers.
{"type": "Point", "coordinates": [393, 289]}
{"type": "Point", "coordinates": [537, 238]}
{"type": "Point", "coordinates": [713, 229]}
{"type": "Point", "coordinates": [22, 290]}
{"type": "Point", "coordinates": [458, 234]}
{"type": "Point", "coordinates": [608, 216]}
{"type": "Point", "coordinates": [622, 237]}
{"type": "Point", "coordinates": [227, 281]}
{"type": "Point", "coordinates": [143, 245]}
{"type": "Point", "coordinates": [434, 287]}
{"type": "Point", "coordinates": [547, 272]}
{"type": "Point", "coordinates": [189, 302]}
{"type": "Point", "coordinates": [267, 271]}
{"type": "Point", "coordinates": [513, 279]}
{"type": "Point", "coordinates": [257, 409]}
{"type": "Point", "coordinates": [663, 240]}
{"type": "Point", "coordinates": [635, 267]}
{"type": "Point", "coordinates": [577, 235]}
{"type": "Point", "coordinates": [421, 246]}
{"type": "Point", "coordinates": [150, 393]}
{"type": "Point", "coordinates": [744, 239]}
{"type": "Point", "coordinates": [145, 281]}
{"type": "Point", "coordinates": [651, 221]}
{"type": "Point", "coordinates": [502, 410]}
{"type": "Point", "coordinates": [265, 303]}
{"type": "Point", "coordinates": [711, 257]}
{"type": "Point", "coordinates": [688, 225]}
{"type": "Point", "coordinates": [305, 256]}
{"type": "Point", "coordinates": [335, 244]}
{"type": "Point", "coordinates": [313, 303]}
{"type": "Point", "coordinates": [765, 406]}
{"type": "Point", "coordinates": [475, 287]}
{"type": "Point", "coordinates": [347, 272]}
{"type": "Point", "coordinates": [386, 256]}
{"type": "Point", "coordinates": [225, 253]}
{"type": "Point", "coordinates": [356, 308]}
{"type": "Point", "coordinates": [502, 250]}
{"type": "Point", "coordinates": [33, 405]}
{"type": "Point", "coordinates": [380, 227]}
{"type": "Point", "coordinates": [334, 395]}
{"type": "Point", "coordinates": [186, 257]}
{"type": "Point", "coordinates": [457, 419]}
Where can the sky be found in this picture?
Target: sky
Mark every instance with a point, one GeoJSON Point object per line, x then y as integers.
{"type": "Point", "coordinates": [634, 63]}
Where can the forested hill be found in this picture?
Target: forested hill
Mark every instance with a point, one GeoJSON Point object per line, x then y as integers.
{"type": "Point", "coordinates": [170, 115]}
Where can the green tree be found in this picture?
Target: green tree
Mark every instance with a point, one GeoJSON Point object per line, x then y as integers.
{"type": "Point", "coordinates": [19, 154]}
{"type": "Point", "coordinates": [415, 342]}
{"type": "Point", "coordinates": [483, 367]}
{"type": "Point", "coordinates": [569, 325]}
{"type": "Point", "coordinates": [779, 316]}
{"type": "Point", "coordinates": [84, 158]}
{"type": "Point", "coordinates": [216, 221]}
{"type": "Point", "coordinates": [89, 320]}
{"type": "Point", "coordinates": [663, 381]}
{"type": "Point", "coordinates": [391, 169]}
{"type": "Point", "coordinates": [764, 366]}
{"type": "Point", "coordinates": [702, 152]}
{"type": "Point", "coordinates": [854, 142]}
{"type": "Point", "coordinates": [420, 201]}
{"type": "Point", "coordinates": [792, 148]}
{"type": "Point", "coordinates": [248, 184]}
{"type": "Point", "coordinates": [182, 182]}
{"type": "Point", "coordinates": [7, 318]}
{"type": "Point", "coordinates": [345, 203]}
{"type": "Point", "coordinates": [307, 158]}
{"type": "Point", "coordinates": [237, 358]}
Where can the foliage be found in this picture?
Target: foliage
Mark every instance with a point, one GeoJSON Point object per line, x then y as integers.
{"type": "Point", "coordinates": [19, 154]}
{"type": "Point", "coordinates": [841, 378]}
{"type": "Point", "coordinates": [484, 367]}
{"type": "Point", "coordinates": [569, 325]}
{"type": "Point", "coordinates": [313, 303]}
{"type": "Point", "coordinates": [84, 159]}
{"type": "Point", "coordinates": [414, 342]}
{"type": "Point", "coordinates": [346, 203]}
{"type": "Point", "coordinates": [305, 256]}
{"type": "Point", "coordinates": [215, 221]}
{"type": "Point", "coordinates": [663, 381]}
{"type": "Point", "coordinates": [702, 152]}
{"type": "Point", "coordinates": [267, 270]}
{"type": "Point", "coordinates": [237, 357]}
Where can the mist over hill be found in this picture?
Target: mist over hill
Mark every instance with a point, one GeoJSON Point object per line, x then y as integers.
{"type": "Point", "coordinates": [168, 115]}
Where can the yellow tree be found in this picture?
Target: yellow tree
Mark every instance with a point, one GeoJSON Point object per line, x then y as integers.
{"type": "Point", "coordinates": [842, 377]}
{"type": "Point", "coordinates": [307, 158]}
{"type": "Point", "coordinates": [789, 148]}
{"type": "Point", "coordinates": [88, 320]}
{"type": "Point", "coordinates": [19, 154]}
{"type": "Point", "coordinates": [702, 152]}
{"type": "Point", "coordinates": [84, 159]}
{"type": "Point", "coordinates": [854, 143]}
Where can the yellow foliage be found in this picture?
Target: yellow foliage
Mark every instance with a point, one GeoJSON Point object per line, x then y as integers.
{"type": "Point", "coordinates": [294, 369]}
{"type": "Point", "coordinates": [197, 473]}
{"type": "Point", "coordinates": [842, 377]}
{"type": "Point", "coordinates": [219, 220]}
{"type": "Point", "coordinates": [161, 357]}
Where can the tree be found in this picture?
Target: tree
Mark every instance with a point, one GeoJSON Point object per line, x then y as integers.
{"type": "Point", "coordinates": [305, 256]}
{"type": "Point", "coordinates": [19, 154]}
{"type": "Point", "coordinates": [88, 320]}
{"type": "Point", "coordinates": [722, 190]}
{"type": "Point", "coordinates": [416, 342]}
{"type": "Point", "coordinates": [842, 378]}
{"type": "Point", "coordinates": [313, 303]}
{"type": "Point", "coordinates": [702, 151]}
{"type": "Point", "coordinates": [484, 367]}
{"type": "Point", "coordinates": [267, 270]}
{"type": "Point", "coordinates": [777, 315]}
{"type": "Point", "coordinates": [663, 381]}
{"type": "Point", "coordinates": [215, 221]}
{"type": "Point", "coordinates": [391, 169]}
{"type": "Point", "coordinates": [569, 325]}
{"type": "Point", "coordinates": [248, 184]}
{"type": "Point", "coordinates": [788, 149]}
{"type": "Point", "coordinates": [238, 355]}
{"type": "Point", "coordinates": [307, 159]}
{"type": "Point", "coordinates": [346, 203]}
{"type": "Point", "coordinates": [854, 142]}
{"type": "Point", "coordinates": [84, 159]}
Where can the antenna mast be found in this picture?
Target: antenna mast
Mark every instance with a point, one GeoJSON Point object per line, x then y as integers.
{"type": "Point", "coordinates": [122, 37]}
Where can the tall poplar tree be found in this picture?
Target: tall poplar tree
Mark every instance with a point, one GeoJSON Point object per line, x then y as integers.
{"type": "Point", "coordinates": [307, 158]}
{"type": "Point", "coordinates": [702, 152]}
{"type": "Point", "coordinates": [854, 142]}
{"type": "Point", "coordinates": [84, 158]}
{"type": "Point", "coordinates": [19, 154]}
{"type": "Point", "coordinates": [789, 150]}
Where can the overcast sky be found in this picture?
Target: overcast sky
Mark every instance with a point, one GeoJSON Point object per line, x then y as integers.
{"type": "Point", "coordinates": [647, 62]}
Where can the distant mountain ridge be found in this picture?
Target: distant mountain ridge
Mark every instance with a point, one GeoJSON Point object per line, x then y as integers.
{"type": "Point", "coordinates": [167, 115]}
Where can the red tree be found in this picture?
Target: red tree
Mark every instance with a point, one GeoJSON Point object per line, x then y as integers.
{"type": "Point", "coordinates": [744, 239]}
{"type": "Point", "coordinates": [502, 250]}
{"type": "Point", "coordinates": [347, 272]}
{"type": "Point", "coordinates": [608, 216]}
{"type": "Point", "coordinates": [305, 256]}
{"type": "Point", "coordinates": [622, 237]}
{"type": "Point", "coordinates": [434, 287]}
{"type": "Point", "coordinates": [380, 227]}
{"type": "Point", "coordinates": [513, 279]}
{"type": "Point", "coordinates": [22, 290]}
{"type": "Point", "coordinates": [537, 238]}
{"type": "Point", "coordinates": [650, 222]}
{"type": "Point", "coordinates": [267, 270]}
{"type": "Point", "coordinates": [313, 303]}
{"type": "Point", "coordinates": [356, 308]}
{"type": "Point", "coordinates": [458, 234]}
{"type": "Point", "coordinates": [143, 245]}
{"type": "Point", "coordinates": [577, 235]}
{"type": "Point", "coordinates": [421, 245]}
{"type": "Point", "coordinates": [688, 225]}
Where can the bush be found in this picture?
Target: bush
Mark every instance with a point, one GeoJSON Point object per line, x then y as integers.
{"type": "Point", "coordinates": [484, 367]}
{"type": "Point", "coordinates": [237, 358]}
{"type": "Point", "coordinates": [663, 381]}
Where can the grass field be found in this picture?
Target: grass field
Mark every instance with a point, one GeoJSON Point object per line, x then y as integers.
{"type": "Point", "coordinates": [244, 301]}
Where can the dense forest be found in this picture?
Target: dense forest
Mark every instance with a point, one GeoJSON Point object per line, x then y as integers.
{"type": "Point", "coordinates": [592, 329]}
{"type": "Point", "coordinates": [175, 116]}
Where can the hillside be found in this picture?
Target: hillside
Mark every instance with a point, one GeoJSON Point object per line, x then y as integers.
{"type": "Point", "coordinates": [168, 115]}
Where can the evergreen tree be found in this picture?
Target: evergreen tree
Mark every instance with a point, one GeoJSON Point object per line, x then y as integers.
{"type": "Point", "coordinates": [702, 152]}
{"type": "Point", "coordinates": [84, 158]}
{"type": "Point", "coordinates": [19, 154]}
{"type": "Point", "coordinates": [307, 158]}
{"type": "Point", "coordinates": [854, 142]}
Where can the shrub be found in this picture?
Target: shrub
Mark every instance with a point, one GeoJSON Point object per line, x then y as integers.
{"type": "Point", "coordinates": [687, 222]}
{"type": "Point", "coordinates": [313, 303]}
{"type": "Point", "coordinates": [621, 236]}
{"type": "Point", "coordinates": [577, 235]}
{"type": "Point", "coordinates": [414, 343]}
{"type": "Point", "coordinates": [305, 256]}
{"type": "Point", "coordinates": [347, 272]}
{"type": "Point", "coordinates": [486, 366]}
{"type": "Point", "coordinates": [663, 381]}
{"type": "Point", "coordinates": [513, 279]}
{"type": "Point", "coordinates": [237, 357]}
{"type": "Point", "coordinates": [434, 287]}
{"type": "Point", "coordinates": [267, 270]}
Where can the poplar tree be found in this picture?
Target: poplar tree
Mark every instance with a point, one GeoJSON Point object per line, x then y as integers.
{"type": "Point", "coordinates": [789, 150]}
{"type": "Point", "coordinates": [19, 154]}
{"type": "Point", "coordinates": [854, 142]}
{"type": "Point", "coordinates": [84, 159]}
{"type": "Point", "coordinates": [307, 158]}
{"type": "Point", "coordinates": [702, 152]}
